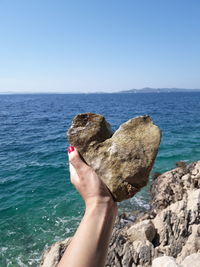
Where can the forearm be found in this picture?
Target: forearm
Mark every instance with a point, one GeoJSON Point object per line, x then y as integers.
{"type": "Point", "coordinates": [89, 245]}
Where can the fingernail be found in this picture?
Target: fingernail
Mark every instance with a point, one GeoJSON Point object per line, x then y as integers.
{"type": "Point", "coordinates": [70, 149]}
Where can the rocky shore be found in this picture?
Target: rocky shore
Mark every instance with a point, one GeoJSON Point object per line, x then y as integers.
{"type": "Point", "coordinates": [167, 235]}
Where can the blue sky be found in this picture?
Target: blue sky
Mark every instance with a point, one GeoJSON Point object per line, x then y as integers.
{"type": "Point", "coordinates": [72, 46]}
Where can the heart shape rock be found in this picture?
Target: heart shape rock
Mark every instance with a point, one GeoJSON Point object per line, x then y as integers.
{"type": "Point", "coordinates": [123, 160]}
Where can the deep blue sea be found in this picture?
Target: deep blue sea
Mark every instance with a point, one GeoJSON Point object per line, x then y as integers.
{"type": "Point", "coordinates": [38, 205]}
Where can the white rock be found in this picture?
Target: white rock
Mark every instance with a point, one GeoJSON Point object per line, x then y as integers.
{"type": "Point", "coordinates": [164, 261]}
{"type": "Point", "coordinates": [144, 230]}
{"type": "Point", "coordinates": [192, 260]}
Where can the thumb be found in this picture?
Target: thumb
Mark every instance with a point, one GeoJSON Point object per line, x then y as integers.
{"type": "Point", "coordinates": [74, 158]}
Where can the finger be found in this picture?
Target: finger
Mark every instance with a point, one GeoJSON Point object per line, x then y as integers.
{"type": "Point", "coordinates": [73, 175]}
{"type": "Point", "coordinates": [72, 170]}
{"type": "Point", "coordinates": [74, 158]}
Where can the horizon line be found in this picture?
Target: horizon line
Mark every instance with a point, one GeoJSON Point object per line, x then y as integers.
{"type": "Point", "coordinates": [102, 92]}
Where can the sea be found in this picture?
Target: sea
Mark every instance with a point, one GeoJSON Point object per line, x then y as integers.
{"type": "Point", "coordinates": [38, 204]}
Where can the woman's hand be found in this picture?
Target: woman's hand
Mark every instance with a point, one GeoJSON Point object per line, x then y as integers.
{"type": "Point", "coordinates": [87, 183]}
{"type": "Point", "coordinates": [89, 245]}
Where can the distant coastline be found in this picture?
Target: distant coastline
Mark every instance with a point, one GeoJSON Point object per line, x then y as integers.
{"type": "Point", "coordinates": [130, 91]}
{"type": "Point", "coordinates": [160, 90]}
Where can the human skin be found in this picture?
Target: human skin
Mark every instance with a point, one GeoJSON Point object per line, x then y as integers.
{"type": "Point", "coordinates": [89, 245]}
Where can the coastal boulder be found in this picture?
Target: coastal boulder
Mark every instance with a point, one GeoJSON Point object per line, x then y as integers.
{"type": "Point", "coordinates": [123, 160]}
{"type": "Point", "coordinates": [192, 260]}
{"type": "Point", "coordinates": [164, 261]}
{"type": "Point", "coordinates": [143, 230]}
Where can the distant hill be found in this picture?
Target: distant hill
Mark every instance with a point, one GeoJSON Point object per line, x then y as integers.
{"type": "Point", "coordinates": [159, 90]}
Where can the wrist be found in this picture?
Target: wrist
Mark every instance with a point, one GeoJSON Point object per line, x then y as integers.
{"type": "Point", "coordinates": [102, 206]}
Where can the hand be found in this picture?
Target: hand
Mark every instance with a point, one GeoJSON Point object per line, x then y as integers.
{"type": "Point", "coordinates": [86, 181]}
{"type": "Point", "coordinates": [89, 245]}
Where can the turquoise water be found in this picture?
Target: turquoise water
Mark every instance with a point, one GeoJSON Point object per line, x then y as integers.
{"type": "Point", "coordinates": [38, 204]}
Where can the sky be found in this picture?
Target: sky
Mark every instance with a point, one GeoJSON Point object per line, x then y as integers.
{"type": "Point", "coordinates": [107, 45]}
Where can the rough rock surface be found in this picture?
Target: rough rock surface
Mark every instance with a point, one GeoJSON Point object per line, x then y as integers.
{"type": "Point", "coordinates": [164, 261]}
{"type": "Point", "coordinates": [192, 260]}
{"type": "Point", "coordinates": [124, 159]}
{"type": "Point", "coordinates": [52, 256]}
{"type": "Point", "coordinates": [170, 228]}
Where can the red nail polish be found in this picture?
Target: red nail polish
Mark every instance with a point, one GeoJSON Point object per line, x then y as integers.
{"type": "Point", "coordinates": [70, 149]}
